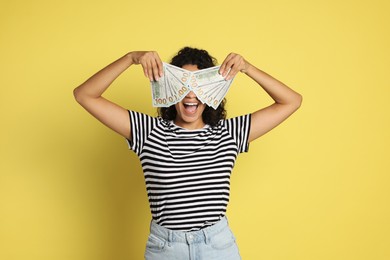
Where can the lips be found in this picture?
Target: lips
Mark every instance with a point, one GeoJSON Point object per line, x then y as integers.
{"type": "Point", "coordinates": [190, 107]}
{"type": "Point", "coordinates": [189, 113]}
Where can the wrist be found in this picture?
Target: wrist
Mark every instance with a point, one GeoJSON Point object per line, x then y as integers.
{"type": "Point", "coordinates": [247, 66]}
{"type": "Point", "coordinates": [131, 59]}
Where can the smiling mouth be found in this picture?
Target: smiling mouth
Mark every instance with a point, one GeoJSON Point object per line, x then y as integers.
{"type": "Point", "coordinates": [190, 107]}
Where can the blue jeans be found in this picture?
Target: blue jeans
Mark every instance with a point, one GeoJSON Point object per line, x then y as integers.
{"type": "Point", "coordinates": [211, 243]}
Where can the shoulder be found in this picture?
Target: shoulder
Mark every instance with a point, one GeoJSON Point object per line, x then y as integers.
{"type": "Point", "coordinates": [237, 120]}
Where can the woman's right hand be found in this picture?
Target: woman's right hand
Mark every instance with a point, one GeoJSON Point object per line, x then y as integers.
{"type": "Point", "coordinates": [150, 62]}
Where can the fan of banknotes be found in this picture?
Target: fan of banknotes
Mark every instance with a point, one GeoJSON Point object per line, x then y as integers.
{"type": "Point", "coordinates": [208, 85]}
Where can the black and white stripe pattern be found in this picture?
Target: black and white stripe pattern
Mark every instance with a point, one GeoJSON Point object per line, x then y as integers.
{"type": "Point", "coordinates": [187, 172]}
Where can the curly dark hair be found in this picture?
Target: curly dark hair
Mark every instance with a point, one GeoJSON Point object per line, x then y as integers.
{"type": "Point", "coordinates": [203, 60]}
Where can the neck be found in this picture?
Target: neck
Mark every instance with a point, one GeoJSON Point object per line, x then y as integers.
{"type": "Point", "coordinates": [190, 125]}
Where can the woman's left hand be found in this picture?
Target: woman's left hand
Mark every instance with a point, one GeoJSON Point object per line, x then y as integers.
{"type": "Point", "coordinates": [232, 64]}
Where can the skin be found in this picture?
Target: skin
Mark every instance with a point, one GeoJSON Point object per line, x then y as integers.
{"type": "Point", "coordinates": [89, 94]}
{"type": "Point", "coordinates": [190, 119]}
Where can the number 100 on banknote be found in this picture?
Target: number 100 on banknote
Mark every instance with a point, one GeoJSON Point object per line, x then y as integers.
{"type": "Point", "coordinates": [207, 84]}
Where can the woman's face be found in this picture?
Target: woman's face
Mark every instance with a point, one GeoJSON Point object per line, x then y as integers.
{"type": "Point", "coordinates": [190, 109]}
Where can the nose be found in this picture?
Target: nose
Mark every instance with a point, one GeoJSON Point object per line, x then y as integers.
{"type": "Point", "coordinates": [191, 94]}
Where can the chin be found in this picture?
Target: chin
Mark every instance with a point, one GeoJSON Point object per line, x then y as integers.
{"type": "Point", "coordinates": [189, 114]}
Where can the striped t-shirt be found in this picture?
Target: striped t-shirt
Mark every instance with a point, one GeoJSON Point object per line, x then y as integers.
{"type": "Point", "coordinates": [187, 172]}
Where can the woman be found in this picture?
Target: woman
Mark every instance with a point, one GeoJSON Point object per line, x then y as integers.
{"type": "Point", "coordinates": [188, 152]}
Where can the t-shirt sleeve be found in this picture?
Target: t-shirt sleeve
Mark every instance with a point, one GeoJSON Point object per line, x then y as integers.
{"type": "Point", "coordinates": [238, 128]}
{"type": "Point", "coordinates": [141, 126]}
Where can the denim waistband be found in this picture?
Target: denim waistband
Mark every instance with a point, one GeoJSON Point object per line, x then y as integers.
{"type": "Point", "coordinates": [189, 237]}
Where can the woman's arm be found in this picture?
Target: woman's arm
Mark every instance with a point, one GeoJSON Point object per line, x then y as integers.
{"type": "Point", "coordinates": [287, 101]}
{"type": "Point", "coordinates": [89, 94]}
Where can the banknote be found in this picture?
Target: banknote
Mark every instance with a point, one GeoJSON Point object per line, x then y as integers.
{"type": "Point", "coordinates": [172, 87]}
{"type": "Point", "coordinates": [208, 85]}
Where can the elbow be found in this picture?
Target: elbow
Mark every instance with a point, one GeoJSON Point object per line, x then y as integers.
{"type": "Point", "coordinates": [77, 96]}
{"type": "Point", "coordinates": [82, 96]}
{"type": "Point", "coordinates": [297, 101]}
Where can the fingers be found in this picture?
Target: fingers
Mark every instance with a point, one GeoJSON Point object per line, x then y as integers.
{"type": "Point", "coordinates": [223, 69]}
{"type": "Point", "coordinates": [151, 64]}
{"type": "Point", "coordinates": [232, 64]}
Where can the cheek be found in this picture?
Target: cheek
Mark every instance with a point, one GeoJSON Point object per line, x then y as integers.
{"type": "Point", "coordinates": [177, 106]}
{"type": "Point", "coordinates": [202, 108]}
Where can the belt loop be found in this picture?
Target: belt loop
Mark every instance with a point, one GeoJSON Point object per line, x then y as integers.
{"type": "Point", "coordinates": [170, 237]}
{"type": "Point", "coordinates": [206, 236]}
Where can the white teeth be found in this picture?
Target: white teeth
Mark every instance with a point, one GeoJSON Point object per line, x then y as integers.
{"type": "Point", "coordinates": [190, 104]}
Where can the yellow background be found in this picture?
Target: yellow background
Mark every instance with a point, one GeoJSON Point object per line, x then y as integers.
{"type": "Point", "coordinates": [316, 187]}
